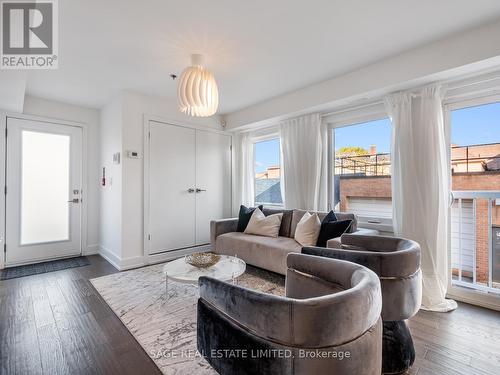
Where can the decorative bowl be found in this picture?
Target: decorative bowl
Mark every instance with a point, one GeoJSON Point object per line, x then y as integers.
{"type": "Point", "coordinates": [202, 260]}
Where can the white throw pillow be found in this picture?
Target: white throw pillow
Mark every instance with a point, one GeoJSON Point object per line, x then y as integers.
{"type": "Point", "coordinates": [308, 229]}
{"type": "Point", "coordinates": [262, 225]}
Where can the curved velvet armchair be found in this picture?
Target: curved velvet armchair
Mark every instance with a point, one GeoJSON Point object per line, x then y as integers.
{"type": "Point", "coordinates": [328, 322]}
{"type": "Point", "coordinates": [397, 263]}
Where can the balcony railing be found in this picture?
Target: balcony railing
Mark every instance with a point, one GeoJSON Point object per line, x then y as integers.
{"type": "Point", "coordinates": [475, 240]}
{"type": "Point", "coordinates": [475, 158]}
{"type": "Point", "coordinates": [464, 159]}
{"type": "Point", "coordinates": [367, 165]}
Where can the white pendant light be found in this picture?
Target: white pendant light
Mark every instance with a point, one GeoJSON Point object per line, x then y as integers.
{"type": "Point", "coordinates": [197, 91]}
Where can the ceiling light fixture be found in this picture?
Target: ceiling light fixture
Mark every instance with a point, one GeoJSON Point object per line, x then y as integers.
{"type": "Point", "coordinates": [197, 91]}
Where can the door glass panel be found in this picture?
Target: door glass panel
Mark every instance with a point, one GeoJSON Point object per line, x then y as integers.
{"type": "Point", "coordinates": [45, 187]}
{"type": "Point", "coordinates": [475, 182]}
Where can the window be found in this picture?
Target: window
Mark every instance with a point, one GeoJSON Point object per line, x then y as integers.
{"type": "Point", "coordinates": [362, 171]}
{"type": "Point", "coordinates": [475, 182]}
{"type": "Point", "coordinates": [267, 169]}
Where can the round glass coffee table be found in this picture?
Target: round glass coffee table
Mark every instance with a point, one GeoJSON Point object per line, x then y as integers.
{"type": "Point", "coordinates": [227, 268]}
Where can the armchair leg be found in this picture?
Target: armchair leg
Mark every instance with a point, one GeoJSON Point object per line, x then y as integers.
{"type": "Point", "coordinates": [398, 352]}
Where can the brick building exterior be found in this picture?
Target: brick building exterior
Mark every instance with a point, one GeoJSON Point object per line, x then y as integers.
{"type": "Point", "coordinates": [356, 186]}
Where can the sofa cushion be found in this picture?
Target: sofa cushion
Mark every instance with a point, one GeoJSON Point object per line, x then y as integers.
{"type": "Point", "coordinates": [308, 229]}
{"type": "Point", "coordinates": [264, 252]}
{"type": "Point", "coordinates": [297, 215]}
{"type": "Point", "coordinates": [286, 221]}
{"type": "Point", "coordinates": [262, 225]}
{"type": "Point", "coordinates": [244, 216]}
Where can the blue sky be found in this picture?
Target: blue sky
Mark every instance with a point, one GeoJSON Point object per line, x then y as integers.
{"type": "Point", "coordinates": [364, 135]}
{"type": "Point", "coordinates": [474, 125]}
{"type": "Point", "coordinates": [266, 154]}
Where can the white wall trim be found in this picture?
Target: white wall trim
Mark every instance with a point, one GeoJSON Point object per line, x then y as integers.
{"type": "Point", "coordinates": [3, 122]}
{"type": "Point", "coordinates": [118, 263]}
{"type": "Point", "coordinates": [133, 262]}
{"type": "Point", "coordinates": [4, 116]}
{"type": "Point", "coordinates": [141, 261]}
{"type": "Point", "coordinates": [356, 115]}
{"type": "Point", "coordinates": [171, 255]}
{"type": "Point", "coordinates": [110, 256]}
{"type": "Point", "coordinates": [91, 250]}
{"type": "Point", "coordinates": [474, 297]}
{"type": "Point", "coordinates": [186, 124]}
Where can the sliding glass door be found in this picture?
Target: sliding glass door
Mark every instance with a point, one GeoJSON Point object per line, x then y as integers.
{"type": "Point", "coordinates": [474, 240]}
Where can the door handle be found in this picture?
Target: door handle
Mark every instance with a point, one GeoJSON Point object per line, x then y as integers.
{"type": "Point", "coordinates": [190, 190]}
{"type": "Point", "coordinates": [75, 200]}
{"type": "Point", "coordinates": [200, 190]}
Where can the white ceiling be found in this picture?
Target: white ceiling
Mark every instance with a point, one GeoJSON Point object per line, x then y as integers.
{"type": "Point", "coordinates": [257, 49]}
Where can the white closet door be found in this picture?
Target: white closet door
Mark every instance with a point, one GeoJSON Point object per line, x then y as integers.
{"type": "Point", "coordinates": [171, 178]}
{"type": "Point", "coordinates": [213, 181]}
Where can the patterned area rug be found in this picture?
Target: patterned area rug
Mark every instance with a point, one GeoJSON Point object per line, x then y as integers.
{"type": "Point", "coordinates": [35, 269]}
{"type": "Point", "coordinates": [166, 327]}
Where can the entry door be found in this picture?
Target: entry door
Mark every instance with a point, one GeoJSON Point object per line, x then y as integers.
{"type": "Point", "coordinates": [213, 181]}
{"type": "Point", "coordinates": [43, 210]}
{"type": "Point", "coordinates": [172, 184]}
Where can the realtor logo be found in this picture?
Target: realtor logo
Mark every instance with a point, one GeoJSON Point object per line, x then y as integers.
{"type": "Point", "coordinates": [29, 34]}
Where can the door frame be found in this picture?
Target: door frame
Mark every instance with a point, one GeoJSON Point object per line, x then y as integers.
{"type": "Point", "coordinates": [471, 296]}
{"type": "Point", "coordinates": [161, 257]}
{"type": "Point", "coordinates": [4, 116]}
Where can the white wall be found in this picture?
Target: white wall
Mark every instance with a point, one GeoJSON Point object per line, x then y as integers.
{"type": "Point", "coordinates": [122, 130]}
{"type": "Point", "coordinates": [90, 117]}
{"type": "Point", "coordinates": [135, 106]}
{"type": "Point", "coordinates": [457, 55]}
{"type": "Point", "coordinates": [110, 233]}
{"type": "Point", "coordinates": [12, 90]}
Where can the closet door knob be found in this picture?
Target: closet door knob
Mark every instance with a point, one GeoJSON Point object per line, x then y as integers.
{"type": "Point", "coordinates": [200, 190]}
{"type": "Point", "coordinates": [190, 190]}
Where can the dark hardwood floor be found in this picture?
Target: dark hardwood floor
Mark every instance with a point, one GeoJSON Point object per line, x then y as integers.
{"type": "Point", "coordinates": [465, 341]}
{"type": "Point", "coordinates": [56, 323]}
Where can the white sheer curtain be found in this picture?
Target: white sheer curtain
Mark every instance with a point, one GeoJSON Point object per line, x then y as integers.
{"type": "Point", "coordinates": [420, 185]}
{"type": "Point", "coordinates": [244, 184]}
{"type": "Point", "coordinates": [304, 162]}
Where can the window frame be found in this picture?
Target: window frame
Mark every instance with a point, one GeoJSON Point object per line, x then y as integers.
{"type": "Point", "coordinates": [356, 116]}
{"type": "Point", "coordinates": [263, 138]}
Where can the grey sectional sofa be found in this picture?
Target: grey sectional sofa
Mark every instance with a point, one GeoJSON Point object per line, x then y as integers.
{"type": "Point", "coordinates": [266, 252]}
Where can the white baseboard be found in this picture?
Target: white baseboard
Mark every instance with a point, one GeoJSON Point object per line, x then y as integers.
{"type": "Point", "coordinates": [134, 262]}
{"type": "Point", "coordinates": [140, 261]}
{"type": "Point", "coordinates": [110, 256]}
{"type": "Point", "coordinates": [476, 298]}
{"type": "Point", "coordinates": [119, 263]}
{"type": "Point", "coordinates": [174, 254]}
{"type": "Point", "coordinates": [91, 250]}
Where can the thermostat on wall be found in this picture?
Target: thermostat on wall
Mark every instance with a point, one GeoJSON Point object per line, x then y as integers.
{"type": "Point", "coordinates": [133, 154]}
